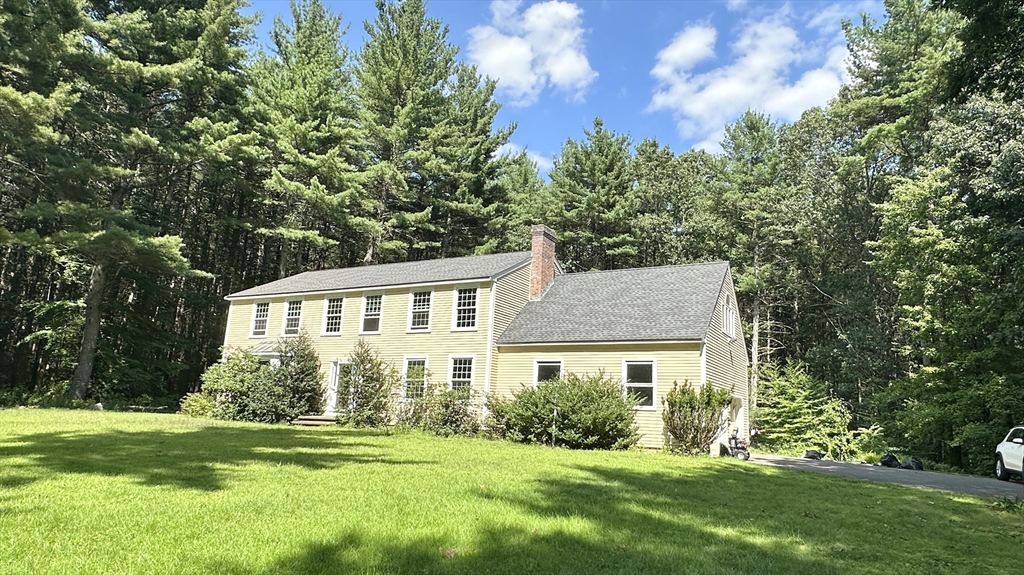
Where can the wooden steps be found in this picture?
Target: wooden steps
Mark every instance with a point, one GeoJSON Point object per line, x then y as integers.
{"type": "Point", "coordinates": [314, 420]}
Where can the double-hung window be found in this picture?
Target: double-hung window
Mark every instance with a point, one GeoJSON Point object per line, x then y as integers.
{"type": "Point", "coordinates": [419, 311]}
{"type": "Point", "coordinates": [415, 380]}
{"type": "Point", "coordinates": [373, 306]}
{"type": "Point", "coordinates": [545, 370]}
{"type": "Point", "coordinates": [260, 315]}
{"type": "Point", "coordinates": [461, 374]}
{"type": "Point", "coordinates": [292, 318]}
{"type": "Point", "coordinates": [728, 318]}
{"type": "Point", "coordinates": [333, 308]}
{"type": "Point", "coordinates": [639, 381]}
{"type": "Point", "coordinates": [465, 309]}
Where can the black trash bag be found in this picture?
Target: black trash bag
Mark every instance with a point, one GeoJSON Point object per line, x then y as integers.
{"type": "Point", "coordinates": [912, 463]}
{"type": "Point", "coordinates": [889, 460]}
{"type": "Point", "coordinates": [812, 454]}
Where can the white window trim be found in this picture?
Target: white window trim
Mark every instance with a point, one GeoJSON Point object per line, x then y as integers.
{"type": "Point", "coordinates": [323, 320]}
{"type": "Point", "coordinates": [284, 318]}
{"type": "Point", "coordinates": [334, 378]}
{"type": "Point", "coordinates": [472, 369]}
{"type": "Point", "coordinates": [728, 318]}
{"type": "Point", "coordinates": [405, 373]}
{"type": "Point", "coordinates": [538, 361]}
{"type": "Point", "coordinates": [252, 320]}
{"type": "Point", "coordinates": [362, 314]}
{"type": "Point", "coordinates": [430, 313]}
{"type": "Point", "coordinates": [654, 380]}
{"type": "Point", "coordinates": [455, 307]}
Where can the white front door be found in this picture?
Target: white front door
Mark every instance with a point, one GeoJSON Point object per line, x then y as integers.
{"type": "Point", "coordinates": [331, 397]}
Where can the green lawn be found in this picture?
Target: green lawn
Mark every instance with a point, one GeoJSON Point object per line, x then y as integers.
{"type": "Point", "coordinates": [92, 492]}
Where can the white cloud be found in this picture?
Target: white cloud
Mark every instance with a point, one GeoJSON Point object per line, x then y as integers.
{"type": "Point", "coordinates": [528, 51]}
{"type": "Point", "coordinates": [544, 163]}
{"type": "Point", "coordinates": [733, 5]}
{"type": "Point", "coordinates": [757, 74]}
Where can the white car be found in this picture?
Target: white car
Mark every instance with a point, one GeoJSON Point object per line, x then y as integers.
{"type": "Point", "coordinates": [1010, 454]}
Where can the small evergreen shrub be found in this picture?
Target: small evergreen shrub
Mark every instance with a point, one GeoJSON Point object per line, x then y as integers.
{"type": "Point", "coordinates": [574, 411]}
{"type": "Point", "coordinates": [299, 377]}
{"type": "Point", "coordinates": [796, 412]}
{"type": "Point", "coordinates": [869, 443]}
{"type": "Point", "coordinates": [367, 387]}
{"type": "Point", "coordinates": [694, 419]}
{"type": "Point", "coordinates": [197, 405]}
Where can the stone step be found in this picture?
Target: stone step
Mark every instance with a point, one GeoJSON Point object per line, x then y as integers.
{"type": "Point", "coordinates": [315, 420]}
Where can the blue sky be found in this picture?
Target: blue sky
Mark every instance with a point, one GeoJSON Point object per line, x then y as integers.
{"type": "Point", "coordinates": [677, 71]}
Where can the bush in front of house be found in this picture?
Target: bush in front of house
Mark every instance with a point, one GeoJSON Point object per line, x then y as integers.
{"type": "Point", "coordinates": [242, 389]}
{"type": "Point", "coordinates": [197, 405]}
{"type": "Point", "coordinates": [588, 411]}
{"type": "Point", "coordinates": [694, 419]}
{"type": "Point", "coordinates": [367, 386]}
{"type": "Point", "coordinates": [443, 412]}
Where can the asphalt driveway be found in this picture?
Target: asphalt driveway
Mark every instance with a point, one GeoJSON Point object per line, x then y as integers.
{"type": "Point", "coordinates": [966, 484]}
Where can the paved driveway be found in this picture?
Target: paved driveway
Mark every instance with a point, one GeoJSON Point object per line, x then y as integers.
{"type": "Point", "coordinates": [980, 486]}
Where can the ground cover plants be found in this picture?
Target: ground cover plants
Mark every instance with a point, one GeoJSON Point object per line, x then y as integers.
{"type": "Point", "coordinates": [98, 492]}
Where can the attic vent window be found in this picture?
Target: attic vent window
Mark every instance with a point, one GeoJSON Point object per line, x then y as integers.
{"type": "Point", "coordinates": [260, 313]}
{"type": "Point", "coordinates": [729, 318]}
{"type": "Point", "coordinates": [465, 308]}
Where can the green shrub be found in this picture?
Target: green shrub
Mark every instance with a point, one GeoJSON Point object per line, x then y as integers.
{"type": "Point", "coordinates": [694, 420]}
{"type": "Point", "coordinates": [869, 443]}
{"type": "Point", "coordinates": [245, 390]}
{"type": "Point", "coordinates": [197, 405]}
{"type": "Point", "coordinates": [796, 412]}
{"type": "Point", "coordinates": [367, 387]}
{"type": "Point", "coordinates": [578, 412]}
{"type": "Point", "coordinates": [299, 377]}
{"type": "Point", "coordinates": [443, 412]}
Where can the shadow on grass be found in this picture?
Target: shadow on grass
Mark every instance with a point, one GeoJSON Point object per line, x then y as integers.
{"type": "Point", "coordinates": [193, 459]}
{"type": "Point", "coordinates": [712, 520]}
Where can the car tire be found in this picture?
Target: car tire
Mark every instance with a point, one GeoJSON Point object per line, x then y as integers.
{"type": "Point", "coordinates": [1001, 473]}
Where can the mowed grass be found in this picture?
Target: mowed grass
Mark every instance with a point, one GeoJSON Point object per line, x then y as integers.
{"type": "Point", "coordinates": [92, 492]}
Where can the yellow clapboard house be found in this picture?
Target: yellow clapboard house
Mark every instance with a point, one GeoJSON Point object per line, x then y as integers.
{"type": "Point", "coordinates": [495, 323]}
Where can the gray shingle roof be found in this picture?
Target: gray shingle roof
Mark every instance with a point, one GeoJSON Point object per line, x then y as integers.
{"type": "Point", "coordinates": [669, 303]}
{"type": "Point", "coordinates": [428, 271]}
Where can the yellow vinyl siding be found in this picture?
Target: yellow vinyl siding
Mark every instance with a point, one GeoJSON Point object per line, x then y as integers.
{"type": "Point", "coordinates": [393, 343]}
{"type": "Point", "coordinates": [673, 362]}
{"type": "Point", "coordinates": [512, 292]}
{"type": "Point", "coordinates": [726, 357]}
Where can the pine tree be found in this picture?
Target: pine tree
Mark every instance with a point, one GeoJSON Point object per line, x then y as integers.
{"type": "Point", "coordinates": [432, 149]}
{"type": "Point", "coordinates": [305, 105]}
{"type": "Point", "coordinates": [145, 77]}
{"type": "Point", "coordinates": [593, 185]}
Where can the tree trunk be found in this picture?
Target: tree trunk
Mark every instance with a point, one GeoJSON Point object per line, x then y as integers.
{"type": "Point", "coordinates": [90, 333]}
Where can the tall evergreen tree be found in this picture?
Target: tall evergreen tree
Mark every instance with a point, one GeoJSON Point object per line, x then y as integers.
{"type": "Point", "coordinates": [143, 79]}
{"type": "Point", "coordinates": [430, 140]}
{"type": "Point", "coordinates": [592, 186]}
{"type": "Point", "coordinates": [304, 102]}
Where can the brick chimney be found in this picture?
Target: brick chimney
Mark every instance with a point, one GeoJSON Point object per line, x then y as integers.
{"type": "Point", "coordinates": [542, 264]}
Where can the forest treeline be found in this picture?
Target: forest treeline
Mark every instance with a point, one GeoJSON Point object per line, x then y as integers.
{"type": "Point", "coordinates": [153, 159]}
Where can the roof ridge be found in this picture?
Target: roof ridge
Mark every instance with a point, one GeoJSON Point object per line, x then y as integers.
{"type": "Point", "coordinates": [406, 262]}
{"type": "Point", "coordinates": [690, 265]}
